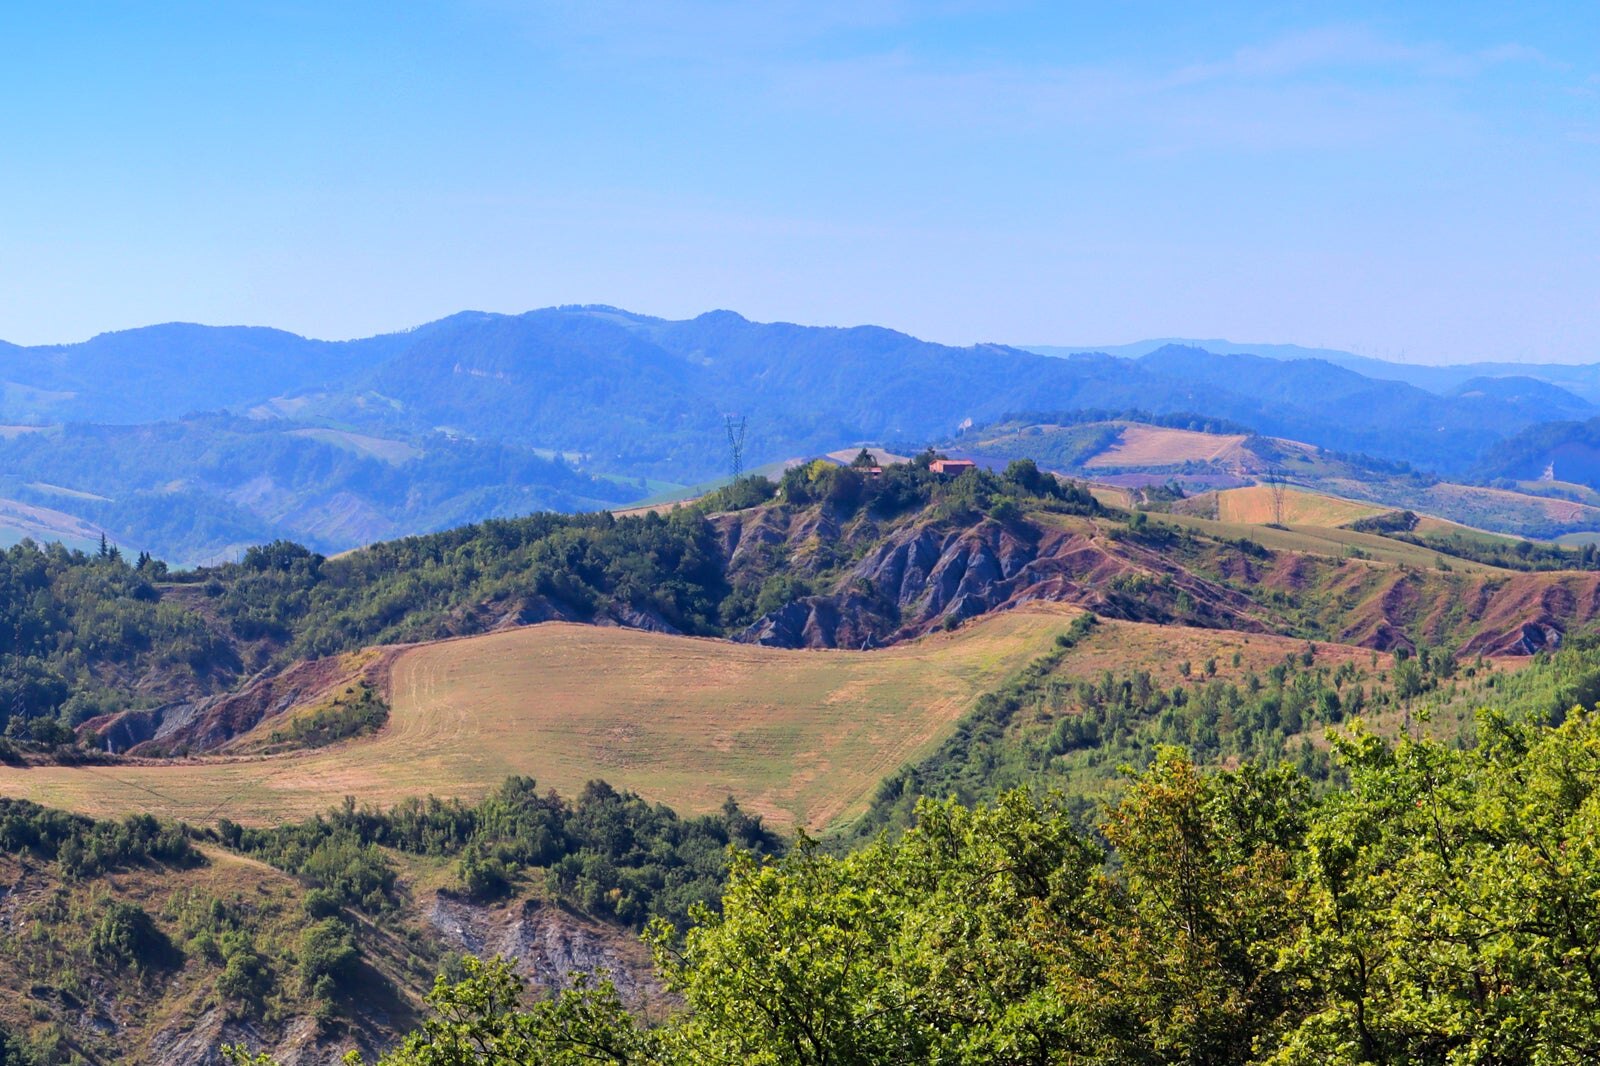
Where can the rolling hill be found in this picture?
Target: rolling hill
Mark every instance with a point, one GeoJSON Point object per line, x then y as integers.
{"type": "Point", "coordinates": [623, 398]}
{"type": "Point", "coordinates": [523, 654]}
{"type": "Point", "coordinates": [1135, 454]}
{"type": "Point", "coordinates": [800, 738]}
{"type": "Point", "coordinates": [835, 561]}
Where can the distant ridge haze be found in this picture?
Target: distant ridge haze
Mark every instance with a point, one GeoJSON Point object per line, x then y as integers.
{"type": "Point", "coordinates": [194, 435]}
{"type": "Point", "coordinates": [1583, 379]}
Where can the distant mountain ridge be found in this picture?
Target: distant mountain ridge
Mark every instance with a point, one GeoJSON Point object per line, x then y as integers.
{"type": "Point", "coordinates": [617, 397]}
{"type": "Point", "coordinates": [1581, 379]}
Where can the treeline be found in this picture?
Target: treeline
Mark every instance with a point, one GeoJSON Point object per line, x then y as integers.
{"type": "Point", "coordinates": [74, 624]}
{"type": "Point", "coordinates": [914, 486]}
{"type": "Point", "coordinates": [1512, 555]}
{"type": "Point", "coordinates": [80, 631]}
{"type": "Point", "coordinates": [1189, 420]}
{"type": "Point", "coordinates": [610, 853]}
{"type": "Point", "coordinates": [1439, 909]}
{"type": "Point", "coordinates": [1507, 552]}
{"type": "Point", "coordinates": [328, 948]}
{"type": "Point", "coordinates": [83, 847]}
{"type": "Point", "coordinates": [1046, 730]}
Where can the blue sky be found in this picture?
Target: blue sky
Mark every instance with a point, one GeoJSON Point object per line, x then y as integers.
{"type": "Point", "coordinates": [1413, 181]}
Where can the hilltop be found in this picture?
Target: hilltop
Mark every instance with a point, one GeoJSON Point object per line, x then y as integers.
{"type": "Point", "coordinates": [833, 557]}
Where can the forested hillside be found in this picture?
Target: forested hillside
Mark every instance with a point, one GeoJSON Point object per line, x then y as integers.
{"type": "Point", "coordinates": [1251, 896]}
{"type": "Point", "coordinates": [137, 940]}
{"type": "Point", "coordinates": [1388, 903]}
{"type": "Point", "coordinates": [93, 633]}
{"type": "Point", "coordinates": [830, 557]}
{"type": "Point", "coordinates": [1568, 451]}
{"type": "Point", "coordinates": [202, 489]}
{"type": "Point", "coordinates": [164, 372]}
{"type": "Point", "coordinates": [1434, 909]}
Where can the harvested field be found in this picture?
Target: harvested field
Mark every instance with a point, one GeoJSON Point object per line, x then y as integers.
{"type": "Point", "coordinates": [802, 737]}
{"type": "Point", "coordinates": [1141, 445]}
{"type": "Point", "coordinates": [1332, 542]}
{"type": "Point", "coordinates": [1253, 505]}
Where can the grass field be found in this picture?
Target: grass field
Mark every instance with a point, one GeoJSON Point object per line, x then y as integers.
{"type": "Point", "coordinates": [1111, 496]}
{"type": "Point", "coordinates": [1475, 506]}
{"type": "Point", "coordinates": [801, 737]}
{"type": "Point", "coordinates": [1141, 445]}
{"type": "Point", "coordinates": [1318, 540]}
{"type": "Point", "coordinates": [1561, 490]}
{"type": "Point", "coordinates": [1253, 504]}
{"type": "Point", "coordinates": [393, 452]}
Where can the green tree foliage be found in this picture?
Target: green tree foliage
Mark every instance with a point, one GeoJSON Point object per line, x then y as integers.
{"type": "Point", "coordinates": [819, 959]}
{"type": "Point", "coordinates": [1049, 729]}
{"type": "Point", "coordinates": [481, 1020]}
{"type": "Point", "coordinates": [1441, 910]}
{"type": "Point", "coordinates": [83, 847]}
{"type": "Point", "coordinates": [80, 633]}
{"type": "Point", "coordinates": [907, 486]}
{"type": "Point", "coordinates": [69, 622]}
{"type": "Point", "coordinates": [125, 937]}
{"type": "Point", "coordinates": [608, 852]}
{"type": "Point", "coordinates": [329, 961]}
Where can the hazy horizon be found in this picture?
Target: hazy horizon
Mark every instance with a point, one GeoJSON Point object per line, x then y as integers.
{"type": "Point", "coordinates": [1218, 343]}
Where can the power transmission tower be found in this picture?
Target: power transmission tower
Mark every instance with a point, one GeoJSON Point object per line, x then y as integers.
{"type": "Point", "coordinates": [735, 425]}
{"type": "Point", "coordinates": [1277, 493]}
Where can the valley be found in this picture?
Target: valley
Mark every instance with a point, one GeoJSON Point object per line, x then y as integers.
{"type": "Point", "coordinates": [318, 781]}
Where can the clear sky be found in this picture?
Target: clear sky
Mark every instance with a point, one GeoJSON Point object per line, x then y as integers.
{"type": "Point", "coordinates": [1404, 180]}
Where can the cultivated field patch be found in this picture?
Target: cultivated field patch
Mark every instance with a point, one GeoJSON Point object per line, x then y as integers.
{"type": "Point", "coordinates": [1254, 504]}
{"type": "Point", "coordinates": [1141, 445]}
{"type": "Point", "coordinates": [801, 737]}
{"type": "Point", "coordinates": [393, 452]}
{"type": "Point", "coordinates": [1332, 542]}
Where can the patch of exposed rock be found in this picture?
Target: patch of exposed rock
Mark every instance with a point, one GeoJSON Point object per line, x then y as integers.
{"type": "Point", "coordinates": [549, 943]}
{"type": "Point", "coordinates": [926, 576]}
{"type": "Point", "coordinates": [209, 723]}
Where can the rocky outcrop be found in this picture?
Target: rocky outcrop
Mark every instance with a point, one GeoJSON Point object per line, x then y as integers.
{"type": "Point", "coordinates": [928, 574]}
{"type": "Point", "coordinates": [549, 943]}
{"type": "Point", "coordinates": [210, 723]}
{"type": "Point", "coordinates": [925, 576]}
